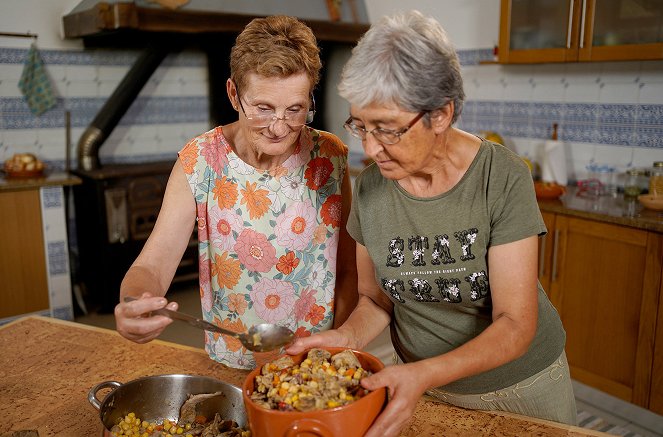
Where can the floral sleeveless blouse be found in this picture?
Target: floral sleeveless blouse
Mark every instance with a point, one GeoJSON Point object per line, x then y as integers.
{"type": "Point", "coordinates": [267, 239]}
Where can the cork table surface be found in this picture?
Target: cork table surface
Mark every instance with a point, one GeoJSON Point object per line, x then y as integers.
{"type": "Point", "coordinates": [48, 366]}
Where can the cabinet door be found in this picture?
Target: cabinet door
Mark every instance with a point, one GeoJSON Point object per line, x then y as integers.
{"type": "Point", "coordinates": [546, 246]}
{"type": "Point", "coordinates": [621, 30]}
{"type": "Point", "coordinates": [539, 31]}
{"type": "Point", "coordinates": [656, 392]}
{"type": "Point", "coordinates": [24, 286]}
{"type": "Point", "coordinates": [600, 285]}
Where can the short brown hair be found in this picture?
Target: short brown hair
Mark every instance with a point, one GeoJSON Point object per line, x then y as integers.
{"type": "Point", "coordinates": [275, 46]}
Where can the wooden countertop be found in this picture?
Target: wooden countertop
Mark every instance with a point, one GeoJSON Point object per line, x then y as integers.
{"type": "Point", "coordinates": [48, 366]}
{"type": "Point", "coordinates": [605, 209]}
{"type": "Point", "coordinates": [49, 179]}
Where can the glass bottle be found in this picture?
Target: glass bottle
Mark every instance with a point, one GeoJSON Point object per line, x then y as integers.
{"type": "Point", "coordinates": [656, 179]}
{"type": "Point", "coordinates": [633, 183]}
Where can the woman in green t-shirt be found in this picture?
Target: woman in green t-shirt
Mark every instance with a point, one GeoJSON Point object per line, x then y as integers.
{"type": "Point", "coordinates": [446, 226]}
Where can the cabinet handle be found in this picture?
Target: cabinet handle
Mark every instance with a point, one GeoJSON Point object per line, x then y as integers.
{"type": "Point", "coordinates": [582, 23]}
{"type": "Point", "coordinates": [542, 251]}
{"type": "Point", "coordinates": [555, 247]}
{"type": "Point", "coordinates": [570, 27]}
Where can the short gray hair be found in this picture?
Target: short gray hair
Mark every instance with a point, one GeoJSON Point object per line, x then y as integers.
{"type": "Point", "coordinates": [404, 59]}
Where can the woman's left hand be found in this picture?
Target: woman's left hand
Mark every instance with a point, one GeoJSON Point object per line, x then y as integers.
{"type": "Point", "coordinates": [405, 387]}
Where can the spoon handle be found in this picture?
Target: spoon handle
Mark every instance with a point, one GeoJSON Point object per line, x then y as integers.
{"type": "Point", "coordinates": [191, 320]}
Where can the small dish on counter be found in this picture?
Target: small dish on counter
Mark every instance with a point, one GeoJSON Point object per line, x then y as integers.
{"type": "Point", "coordinates": [650, 201]}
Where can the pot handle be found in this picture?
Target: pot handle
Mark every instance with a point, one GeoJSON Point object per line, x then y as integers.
{"type": "Point", "coordinates": [308, 426]}
{"type": "Point", "coordinates": [92, 394]}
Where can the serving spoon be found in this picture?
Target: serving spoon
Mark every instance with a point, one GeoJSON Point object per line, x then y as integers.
{"type": "Point", "coordinates": [259, 338]}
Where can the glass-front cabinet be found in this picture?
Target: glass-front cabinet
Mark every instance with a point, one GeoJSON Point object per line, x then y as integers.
{"type": "Point", "coordinates": [536, 31]}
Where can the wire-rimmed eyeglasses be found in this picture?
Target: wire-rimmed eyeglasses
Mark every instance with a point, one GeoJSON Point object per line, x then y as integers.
{"type": "Point", "coordinates": [385, 136]}
{"type": "Point", "coordinates": [265, 118]}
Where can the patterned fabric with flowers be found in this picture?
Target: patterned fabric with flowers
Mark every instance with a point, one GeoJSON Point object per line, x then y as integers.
{"type": "Point", "coordinates": [267, 240]}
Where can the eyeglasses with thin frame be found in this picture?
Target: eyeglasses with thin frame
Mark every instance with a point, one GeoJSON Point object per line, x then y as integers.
{"type": "Point", "coordinates": [385, 136]}
{"type": "Point", "coordinates": [265, 118]}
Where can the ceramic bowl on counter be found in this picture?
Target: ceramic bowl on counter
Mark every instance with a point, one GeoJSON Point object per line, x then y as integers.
{"type": "Point", "coordinates": [350, 420]}
{"type": "Point", "coordinates": [651, 202]}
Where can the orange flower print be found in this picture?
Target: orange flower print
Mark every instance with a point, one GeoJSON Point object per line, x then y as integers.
{"type": "Point", "coordinates": [232, 343]}
{"type": "Point", "coordinates": [320, 234]}
{"type": "Point", "coordinates": [188, 157]}
{"type": "Point", "coordinates": [278, 172]}
{"type": "Point", "coordinates": [332, 148]}
{"type": "Point", "coordinates": [317, 172]}
{"type": "Point", "coordinates": [237, 303]}
{"type": "Point", "coordinates": [287, 263]}
{"type": "Point", "coordinates": [256, 201]}
{"type": "Point", "coordinates": [315, 314]}
{"type": "Point", "coordinates": [302, 332]}
{"type": "Point", "coordinates": [227, 270]}
{"type": "Point", "coordinates": [225, 193]}
{"type": "Point", "coordinates": [331, 211]}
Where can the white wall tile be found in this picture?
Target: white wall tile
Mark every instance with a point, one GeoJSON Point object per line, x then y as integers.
{"type": "Point", "coordinates": [81, 72]}
{"type": "Point", "coordinates": [113, 73]}
{"type": "Point", "coordinates": [651, 71]}
{"type": "Point", "coordinates": [518, 91]}
{"type": "Point", "coordinates": [194, 88]}
{"type": "Point", "coordinates": [650, 93]}
{"type": "Point", "coordinates": [82, 88]}
{"type": "Point", "coordinates": [548, 91]}
{"type": "Point", "coordinates": [576, 92]}
{"type": "Point", "coordinates": [619, 92]}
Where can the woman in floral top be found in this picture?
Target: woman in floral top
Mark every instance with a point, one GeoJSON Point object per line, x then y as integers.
{"type": "Point", "coordinates": [270, 196]}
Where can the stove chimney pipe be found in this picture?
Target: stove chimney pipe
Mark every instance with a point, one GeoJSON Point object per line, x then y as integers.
{"type": "Point", "coordinates": [117, 105]}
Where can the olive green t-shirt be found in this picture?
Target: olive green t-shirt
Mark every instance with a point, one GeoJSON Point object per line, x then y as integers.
{"type": "Point", "coordinates": [430, 257]}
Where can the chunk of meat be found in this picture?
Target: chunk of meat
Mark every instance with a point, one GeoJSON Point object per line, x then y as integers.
{"type": "Point", "coordinates": [345, 359]}
{"type": "Point", "coordinates": [190, 410]}
{"type": "Point", "coordinates": [318, 355]}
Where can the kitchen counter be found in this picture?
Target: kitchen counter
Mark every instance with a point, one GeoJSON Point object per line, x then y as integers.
{"type": "Point", "coordinates": [48, 179]}
{"type": "Point", "coordinates": [605, 209]}
{"type": "Point", "coordinates": [49, 365]}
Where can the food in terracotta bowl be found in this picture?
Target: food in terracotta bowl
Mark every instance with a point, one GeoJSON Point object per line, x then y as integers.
{"type": "Point", "coordinates": [548, 190]}
{"type": "Point", "coordinates": [24, 165]}
{"type": "Point", "coordinates": [650, 201]}
{"type": "Point", "coordinates": [313, 393]}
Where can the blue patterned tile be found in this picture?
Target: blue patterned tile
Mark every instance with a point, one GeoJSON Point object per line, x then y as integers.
{"type": "Point", "coordinates": [650, 114]}
{"type": "Point", "coordinates": [52, 197]}
{"type": "Point", "coordinates": [99, 57]}
{"type": "Point", "coordinates": [57, 258]}
{"type": "Point", "coordinates": [616, 114]}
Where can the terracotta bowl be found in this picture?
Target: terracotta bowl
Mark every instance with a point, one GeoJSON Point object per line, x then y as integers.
{"type": "Point", "coordinates": [352, 420]}
{"type": "Point", "coordinates": [651, 202]}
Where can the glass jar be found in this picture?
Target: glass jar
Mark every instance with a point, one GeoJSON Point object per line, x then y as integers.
{"type": "Point", "coordinates": [633, 183]}
{"type": "Point", "coordinates": [656, 179]}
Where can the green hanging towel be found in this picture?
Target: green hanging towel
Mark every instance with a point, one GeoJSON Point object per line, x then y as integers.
{"type": "Point", "coordinates": [34, 83]}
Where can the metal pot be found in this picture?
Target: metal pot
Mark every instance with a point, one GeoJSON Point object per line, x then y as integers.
{"type": "Point", "coordinates": [155, 398]}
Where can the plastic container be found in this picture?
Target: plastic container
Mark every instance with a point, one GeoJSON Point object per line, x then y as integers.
{"type": "Point", "coordinates": [604, 178]}
{"type": "Point", "coordinates": [656, 179]}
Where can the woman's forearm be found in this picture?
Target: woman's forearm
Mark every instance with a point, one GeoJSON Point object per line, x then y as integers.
{"type": "Point", "coordinates": [365, 323]}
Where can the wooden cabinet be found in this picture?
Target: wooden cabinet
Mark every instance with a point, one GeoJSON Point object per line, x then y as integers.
{"type": "Point", "coordinates": [656, 392]}
{"type": "Point", "coordinates": [24, 287]}
{"type": "Point", "coordinates": [547, 243]}
{"type": "Point", "coordinates": [539, 31]}
{"type": "Point", "coordinates": [605, 281]}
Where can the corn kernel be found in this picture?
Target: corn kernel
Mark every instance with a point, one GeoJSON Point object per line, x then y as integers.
{"type": "Point", "coordinates": [332, 404]}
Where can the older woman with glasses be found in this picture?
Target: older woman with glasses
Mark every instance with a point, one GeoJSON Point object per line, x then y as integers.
{"type": "Point", "coordinates": [270, 196]}
{"type": "Point", "coordinates": [446, 226]}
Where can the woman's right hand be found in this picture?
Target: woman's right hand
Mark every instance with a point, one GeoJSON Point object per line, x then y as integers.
{"type": "Point", "coordinates": [133, 323]}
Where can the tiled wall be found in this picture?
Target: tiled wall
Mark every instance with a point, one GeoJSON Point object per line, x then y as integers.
{"type": "Point", "coordinates": [607, 112]}
{"type": "Point", "coordinates": [171, 108]}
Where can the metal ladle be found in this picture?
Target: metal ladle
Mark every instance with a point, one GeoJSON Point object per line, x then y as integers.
{"type": "Point", "coordinates": [259, 338]}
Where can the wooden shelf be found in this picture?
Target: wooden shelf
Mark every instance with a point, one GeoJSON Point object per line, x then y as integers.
{"type": "Point", "coordinates": [104, 22]}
